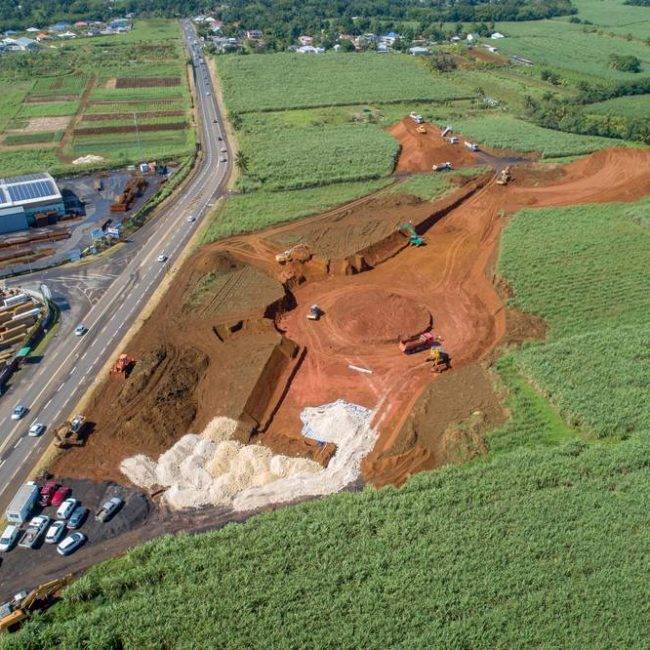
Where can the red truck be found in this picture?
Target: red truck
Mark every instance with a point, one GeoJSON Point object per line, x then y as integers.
{"type": "Point", "coordinates": [47, 492]}
{"type": "Point", "coordinates": [419, 343]}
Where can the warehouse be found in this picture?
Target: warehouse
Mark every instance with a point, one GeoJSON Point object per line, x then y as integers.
{"type": "Point", "coordinates": [22, 197]}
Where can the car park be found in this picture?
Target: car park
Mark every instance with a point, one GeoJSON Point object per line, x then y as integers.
{"type": "Point", "coordinates": [19, 411]}
{"type": "Point", "coordinates": [66, 509]}
{"type": "Point", "coordinates": [36, 429]}
{"type": "Point", "coordinates": [109, 508]}
{"type": "Point", "coordinates": [80, 330]}
{"type": "Point", "coordinates": [78, 517]}
{"type": "Point", "coordinates": [61, 494]}
{"type": "Point", "coordinates": [55, 532]}
{"type": "Point", "coordinates": [71, 543]}
{"type": "Point", "coordinates": [9, 537]}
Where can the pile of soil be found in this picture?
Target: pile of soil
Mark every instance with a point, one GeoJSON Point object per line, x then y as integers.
{"type": "Point", "coordinates": [420, 151]}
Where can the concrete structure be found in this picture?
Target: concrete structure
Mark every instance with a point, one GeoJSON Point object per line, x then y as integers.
{"type": "Point", "coordinates": [23, 197]}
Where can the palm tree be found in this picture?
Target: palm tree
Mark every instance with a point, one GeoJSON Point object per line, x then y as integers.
{"type": "Point", "coordinates": [241, 161]}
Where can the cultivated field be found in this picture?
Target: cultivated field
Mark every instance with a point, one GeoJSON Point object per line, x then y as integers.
{"type": "Point", "coordinates": [637, 106]}
{"type": "Point", "coordinates": [615, 16]}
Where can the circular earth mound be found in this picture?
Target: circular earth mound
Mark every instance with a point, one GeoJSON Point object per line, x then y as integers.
{"type": "Point", "coordinates": [376, 316]}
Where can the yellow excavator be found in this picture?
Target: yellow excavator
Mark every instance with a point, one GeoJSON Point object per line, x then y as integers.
{"type": "Point", "coordinates": [439, 360]}
{"type": "Point", "coordinates": [504, 176]}
{"type": "Point", "coordinates": [18, 610]}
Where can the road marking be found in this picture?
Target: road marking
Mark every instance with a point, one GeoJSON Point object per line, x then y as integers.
{"type": "Point", "coordinates": [17, 443]}
{"type": "Point", "coordinates": [60, 387]}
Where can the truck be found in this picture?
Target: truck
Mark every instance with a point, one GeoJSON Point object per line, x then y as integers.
{"type": "Point", "coordinates": [23, 503]}
{"type": "Point", "coordinates": [418, 343]}
{"type": "Point", "coordinates": [443, 166]}
{"type": "Point", "coordinates": [418, 119]}
{"type": "Point", "coordinates": [35, 530]}
{"type": "Point", "coordinates": [471, 146]}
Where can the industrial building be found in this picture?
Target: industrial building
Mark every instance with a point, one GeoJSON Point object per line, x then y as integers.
{"type": "Point", "coordinates": [23, 197]}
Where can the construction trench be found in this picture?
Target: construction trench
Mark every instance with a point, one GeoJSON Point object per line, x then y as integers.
{"type": "Point", "coordinates": [232, 340]}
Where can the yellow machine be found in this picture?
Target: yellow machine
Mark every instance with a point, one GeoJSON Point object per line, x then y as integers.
{"type": "Point", "coordinates": [504, 176]}
{"type": "Point", "coordinates": [34, 600]}
{"type": "Point", "coordinates": [439, 360]}
{"type": "Point", "coordinates": [421, 129]}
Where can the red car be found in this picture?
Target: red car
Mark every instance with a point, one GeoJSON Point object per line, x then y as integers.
{"type": "Point", "coordinates": [47, 492]}
{"type": "Point", "coordinates": [60, 495]}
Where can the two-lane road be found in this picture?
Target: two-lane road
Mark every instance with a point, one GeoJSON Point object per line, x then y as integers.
{"type": "Point", "coordinates": [72, 363]}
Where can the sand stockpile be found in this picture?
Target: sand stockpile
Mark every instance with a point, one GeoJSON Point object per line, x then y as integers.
{"type": "Point", "coordinates": [212, 469]}
{"type": "Point", "coordinates": [91, 159]}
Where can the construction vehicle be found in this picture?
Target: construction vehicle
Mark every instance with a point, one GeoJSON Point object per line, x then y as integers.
{"type": "Point", "coordinates": [297, 253]}
{"type": "Point", "coordinates": [421, 129]}
{"type": "Point", "coordinates": [441, 167]}
{"type": "Point", "coordinates": [408, 230]}
{"type": "Point", "coordinates": [315, 312]}
{"type": "Point", "coordinates": [418, 119]}
{"type": "Point", "coordinates": [418, 343]}
{"type": "Point", "coordinates": [452, 140]}
{"type": "Point", "coordinates": [504, 176]}
{"type": "Point", "coordinates": [446, 131]}
{"type": "Point", "coordinates": [439, 359]}
{"type": "Point", "coordinates": [123, 365]}
{"type": "Point", "coordinates": [471, 146]}
{"type": "Point", "coordinates": [68, 434]}
{"type": "Point", "coordinates": [16, 611]}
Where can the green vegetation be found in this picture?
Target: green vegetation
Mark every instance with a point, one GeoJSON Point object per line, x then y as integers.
{"type": "Point", "coordinates": [615, 16]}
{"type": "Point", "coordinates": [47, 109]}
{"type": "Point", "coordinates": [11, 100]}
{"type": "Point", "coordinates": [279, 81]}
{"type": "Point", "coordinates": [257, 210]}
{"type": "Point", "coordinates": [632, 107]}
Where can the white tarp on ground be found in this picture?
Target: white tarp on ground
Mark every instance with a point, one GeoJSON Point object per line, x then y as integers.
{"type": "Point", "coordinates": [212, 469]}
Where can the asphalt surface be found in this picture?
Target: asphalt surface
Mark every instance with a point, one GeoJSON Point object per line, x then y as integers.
{"type": "Point", "coordinates": [107, 296]}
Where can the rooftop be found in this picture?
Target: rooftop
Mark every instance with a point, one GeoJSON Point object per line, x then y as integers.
{"type": "Point", "coordinates": [22, 190]}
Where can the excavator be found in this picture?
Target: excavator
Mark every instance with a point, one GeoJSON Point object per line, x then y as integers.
{"type": "Point", "coordinates": [297, 253]}
{"type": "Point", "coordinates": [123, 365]}
{"type": "Point", "coordinates": [408, 230]}
{"type": "Point", "coordinates": [421, 129]}
{"type": "Point", "coordinates": [16, 611]}
{"type": "Point", "coordinates": [504, 176]}
{"type": "Point", "coordinates": [68, 434]}
{"type": "Point", "coordinates": [439, 360]}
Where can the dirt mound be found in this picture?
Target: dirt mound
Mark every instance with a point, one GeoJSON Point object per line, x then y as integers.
{"type": "Point", "coordinates": [420, 151]}
{"type": "Point", "coordinates": [377, 316]}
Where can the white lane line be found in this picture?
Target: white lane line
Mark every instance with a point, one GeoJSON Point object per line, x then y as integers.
{"type": "Point", "coordinates": [17, 443]}
{"type": "Point", "coordinates": [49, 401]}
{"type": "Point", "coordinates": [60, 387]}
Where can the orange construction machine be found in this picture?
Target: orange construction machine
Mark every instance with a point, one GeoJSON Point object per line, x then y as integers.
{"type": "Point", "coordinates": [123, 365]}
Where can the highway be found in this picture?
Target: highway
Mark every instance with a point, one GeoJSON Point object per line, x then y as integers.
{"type": "Point", "coordinates": [70, 363]}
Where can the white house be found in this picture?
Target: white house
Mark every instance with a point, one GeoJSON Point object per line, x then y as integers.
{"type": "Point", "coordinates": [418, 50]}
{"type": "Point", "coordinates": [310, 49]}
{"type": "Point", "coordinates": [497, 35]}
{"type": "Point", "coordinates": [306, 40]}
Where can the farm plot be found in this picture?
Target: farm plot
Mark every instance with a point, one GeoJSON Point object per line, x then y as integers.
{"type": "Point", "coordinates": [616, 16]}
{"type": "Point", "coordinates": [636, 106]}
{"type": "Point", "coordinates": [69, 85]}
{"type": "Point", "coordinates": [279, 81]}
{"type": "Point", "coordinates": [11, 99]}
{"type": "Point", "coordinates": [48, 109]}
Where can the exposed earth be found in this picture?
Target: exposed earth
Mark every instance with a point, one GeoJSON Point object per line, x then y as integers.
{"type": "Point", "coordinates": [231, 337]}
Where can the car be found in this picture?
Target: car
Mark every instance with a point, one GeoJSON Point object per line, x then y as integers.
{"type": "Point", "coordinates": [223, 159]}
{"type": "Point", "coordinates": [66, 508]}
{"type": "Point", "coordinates": [191, 219]}
{"type": "Point", "coordinates": [224, 150]}
{"type": "Point", "coordinates": [47, 492]}
{"type": "Point", "coordinates": [71, 543]}
{"type": "Point", "coordinates": [35, 531]}
{"type": "Point", "coordinates": [109, 508]}
{"type": "Point", "coordinates": [61, 494]}
{"type": "Point", "coordinates": [36, 429]}
{"type": "Point", "coordinates": [219, 138]}
{"type": "Point", "coordinates": [55, 532]}
{"type": "Point", "coordinates": [9, 538]}
{"type": "Point", "coordinates": [80, 330]}
{"type": "Point", "coordinates": [18, 412]}
{"type": "Point", "coordinates": [162, 257]}
{"type": "Point", "coordinates": [78, 517]}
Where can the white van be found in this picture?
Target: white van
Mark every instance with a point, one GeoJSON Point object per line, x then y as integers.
{"type": "Point", "coordinates": [9, 538]}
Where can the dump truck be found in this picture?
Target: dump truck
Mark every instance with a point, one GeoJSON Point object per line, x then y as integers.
{"type": "Point", "coordinates": [408, 230]}
{"type": "Point", "coordinates": [441, 167]}
{"type": "Point", "coordinates": [504, 176]}
{"type": "Point", "coordinates": [418, 343]}
{"type": "Point", "coordinates": [418, 119]}
{"type": "Point", "coordinates": [297, 253]}
{"type": "Point", "coordinates": [421, 129]}
{"type": "Point", "coordinates": [439, 359]}
{"type": "Point", "coordinates": [471, 146]}
{"type": "Point", "coordinates": [16, 611]}
{"type": "Point", "coordinates": [315, 312]}
{"type": "Point", "coordinates": [123, 365]}
{"type": "Point", "coordinates": [69, 433]}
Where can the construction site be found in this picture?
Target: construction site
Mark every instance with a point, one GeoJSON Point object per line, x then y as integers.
{"type": "Point", "coordinates": [352, 346]}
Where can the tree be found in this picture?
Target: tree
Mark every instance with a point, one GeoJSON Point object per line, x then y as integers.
{"type": "Point", "coordinates": [625, 63]}
{"type": "Point", "coordinates": [241, 162]}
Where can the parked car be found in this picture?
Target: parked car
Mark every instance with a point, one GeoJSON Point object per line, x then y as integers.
{"type": "Point", "coordinates": [9, 538]}
{"type": "Point", "coordinates": [47, 492]}
{"type": "Point", "coordinates": [71, 543]}
{"type": "Point", "coordinates": [80, 330]}
{"type": "Point", "coordinates": [61, 494]}
{"type": "Point", "coordinates": [36, 429]}
{"type": "Point", "coordinates": [78, 517]}
{"type": "Point", "coordinates": [55, 532]}
{"type": "Point", "coordinates": [18, 412]}
{"type": "Point", "coordinates": [66, 508]}
{"type": "Point", "coordinates": [109, 508]}
{"type": "Point", "coordinates": [35, 530]}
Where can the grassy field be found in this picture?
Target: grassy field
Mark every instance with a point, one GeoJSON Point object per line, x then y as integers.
{"type": "Point", "coordinates": [615, 16]}
{"type": "Point", "coordinates": [279, 81]}
{"type": "Point", "coordinates": [11, 100]}
{"type": "Point", "coordinates": [48, 109]}
{"type": "Point", "coordinates": [543, 548]}
{"type": "Point", "coordinates": [634, 107]}
{"type": "Point", "coordinates": [505, 131]}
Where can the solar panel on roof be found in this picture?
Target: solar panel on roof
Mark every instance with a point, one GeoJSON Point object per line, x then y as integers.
{"type": "Point", "coordinates": [31, 190]}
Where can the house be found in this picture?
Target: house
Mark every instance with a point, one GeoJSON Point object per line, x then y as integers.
{"type": "Point", "coordinates": [24, 44]}
{"type": "Point", "coordinates": [80, 24]}
{"type": "Point", "coordinates": [42, 36]}
{"type": "Point", "coordinates": [389, 39]}
{"type": "Point", "coordinates": [223, 44]}
{"type": "Point", "coordinates": [471, 38]}
{"type": "Point", "coordinates": [418, 50]}
{"type": "Point", "coordinates": [455, 39]}
{"type": "Point", "coordinates": [10, 32]}
{"type": "Point", "coordinates": [497, 35]}
{"type": "Point", "coordinates": [67, 34]}
{"type": "Point", "coordinates": [306, 40]}
{"type": "Point", "coordinates": [32, 30]}
{"type": "Point", "coordinates": [310, 49]}
{"type": "Point", "coordinates": [119, 25]}
{"type": "Point", "coordinates": [383, 48]}
{"type": "Point", "coordinates": [253, 34]}
{"type": "Point", "coordinates": [59, 27]}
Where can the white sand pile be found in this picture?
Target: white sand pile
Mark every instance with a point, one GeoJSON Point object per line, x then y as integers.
{"type": "Point", "coordinates": [88, 160]}
{"type": "Point", "coordinates": [211, 469]}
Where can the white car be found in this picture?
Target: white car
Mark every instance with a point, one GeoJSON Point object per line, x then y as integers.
{"type": "Point", "coordinates": [162, 258]}
{"type": "Point", "coordinates": [223, 159]}
{"type": "Point", "coordinates": [9, 538]}
{"type": "Point", "coordinates": [55, 532]}
{"type": "Point", "coordinates": [18, 412]}
{"type": "Point", "coordinates": [191, 219]}
{"type": "Point", "coordinates": [66, 508]}
{"type": "Point", "coordinates": [36, 429]}
{"type": "Point", "coordinates": [71, 543]}
{"type": "Point", "coordinates": [80, 330]}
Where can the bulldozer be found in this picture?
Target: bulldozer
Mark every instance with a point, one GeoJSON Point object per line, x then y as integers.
{"type": "Point", "coordinates": [68, 434]}
{"type": "Point", "coordinates": [439, 360]}
{"type": "Point", "coordinates": [504, 176]}
{"type": "Point", "coordinates": [18, 611]}
{"type": "Point", "coordinates": [315, 312]}
{"type": "Point", "coordinates": [408, 230]}
{"type": "Point", "coordinates": [297, 253]}
{"type": "Point", "coordinates": [123, 365]}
